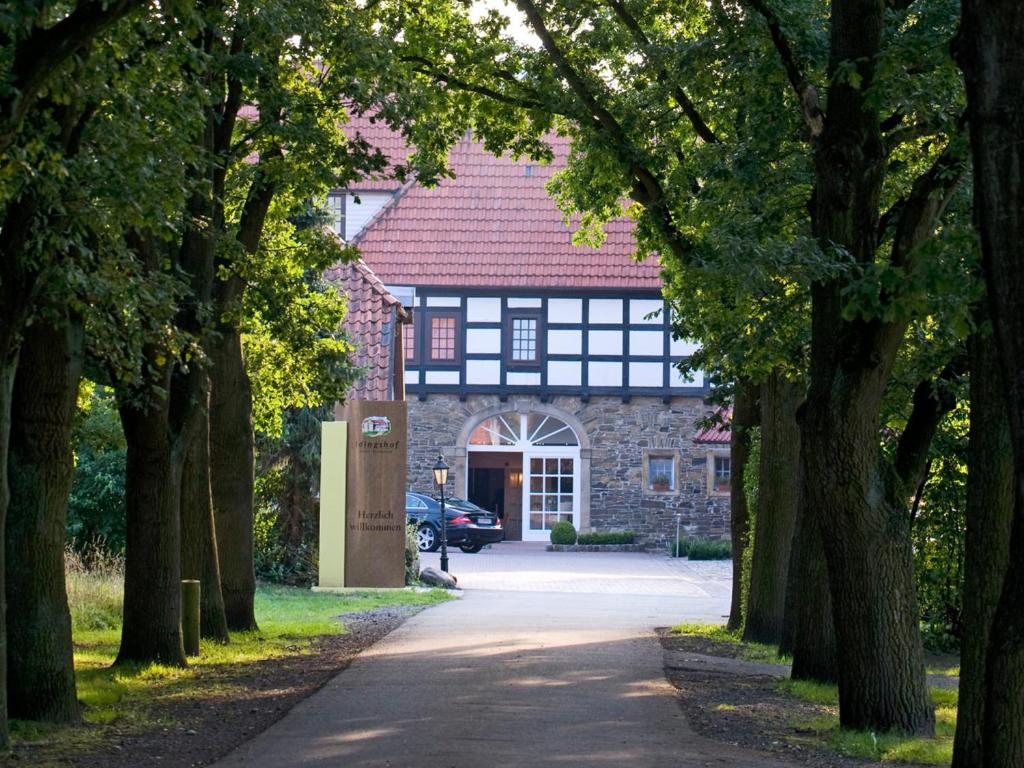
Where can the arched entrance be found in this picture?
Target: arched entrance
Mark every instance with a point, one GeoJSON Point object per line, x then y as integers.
{"type": "Point", "coordinates": [528, 465]}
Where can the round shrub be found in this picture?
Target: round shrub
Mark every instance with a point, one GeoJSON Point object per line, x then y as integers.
{"type": "Point", "coordinates": [563, 533]}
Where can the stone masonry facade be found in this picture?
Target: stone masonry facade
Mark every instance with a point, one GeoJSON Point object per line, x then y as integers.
{"type": "Point", "coordinates": [621, 437]}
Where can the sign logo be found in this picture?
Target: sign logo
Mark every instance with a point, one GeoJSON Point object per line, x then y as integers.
{"type": "Point", "coordinates": [376, 426]}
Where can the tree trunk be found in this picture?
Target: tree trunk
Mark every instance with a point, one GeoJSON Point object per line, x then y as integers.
{"type": "Point", "coordinates": [992, 58]}
{"type": "Point", "coordinates": [746, 415]}
{"type": "Point", "coordinates": [199, 550]}
{"type": "Point", "coordinates": [151, 630]}
{"type": "Point", "coordinates": [871, 570]}
{"type": "Point", "coordinates": [232, 469]}
{"type": "Point", "coordinates": [41, 680]}
{"type": "Point", "coordinates": [989, 526]}
{"type": "Point", "coordinates": [809, 634]}
{"type": "Point", "coordinates": [8, 366]}
{"type": "Point", "coordinates": [777, 500]}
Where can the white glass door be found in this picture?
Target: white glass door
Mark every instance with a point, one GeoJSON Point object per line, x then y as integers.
{"type": "Point", "coordinates": [550, 490]}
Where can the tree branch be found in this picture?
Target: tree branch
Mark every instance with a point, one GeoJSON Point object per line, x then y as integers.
{"type": "Point", "coordinates": [647, 188]}
{"type": "Point", "coordinates": [805, 92]}
{"type": "Point", "coordinates": [931, 192]}
{"type": "Point", "coordinates": [38, 55]}
{"type": "Point", "coordinates": [933, 399]}
{"type": "Point", "coordinates": [428, 68]}
{"type": "Point", "coordinates": [689, 109]}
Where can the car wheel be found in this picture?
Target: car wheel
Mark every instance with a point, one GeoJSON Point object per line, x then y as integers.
{"type": "Point", "coordinates": [426, 538]}
{"type": "Point", "coordinates": [471, 549]}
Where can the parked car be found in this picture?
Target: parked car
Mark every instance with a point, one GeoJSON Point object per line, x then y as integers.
{"type": "Point", "coordinates": [469, 527]}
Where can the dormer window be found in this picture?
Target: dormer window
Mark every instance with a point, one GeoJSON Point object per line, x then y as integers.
{"type": "Point", "coordinates": [336, 212]}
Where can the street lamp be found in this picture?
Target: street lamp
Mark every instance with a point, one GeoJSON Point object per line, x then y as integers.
{"type": "Point", "coordinates": [440, 478]}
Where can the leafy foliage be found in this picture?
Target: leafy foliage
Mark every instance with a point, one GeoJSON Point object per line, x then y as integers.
{"type": "Point", "coordinates": [607, 537]}
{"type": "Point", "coordinates": [563, 532]}
{"type": "Point", "coordinates": [96, 508]}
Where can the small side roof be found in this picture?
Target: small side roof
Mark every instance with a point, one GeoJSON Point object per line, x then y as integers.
{"type": "Point", "coordinates": [370, 324]}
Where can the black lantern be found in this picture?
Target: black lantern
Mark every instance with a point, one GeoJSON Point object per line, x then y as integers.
{"type": "Point", "coordinates": [440, 478]}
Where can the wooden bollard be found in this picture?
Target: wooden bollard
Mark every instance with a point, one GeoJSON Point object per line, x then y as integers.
{"type": "Point", "coordinates": [190, 616]}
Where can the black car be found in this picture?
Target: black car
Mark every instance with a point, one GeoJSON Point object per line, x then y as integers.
{"type": "Point", "coordinates": [469, 527]}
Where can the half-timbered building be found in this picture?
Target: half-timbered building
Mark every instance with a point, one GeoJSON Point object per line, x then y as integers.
{"type": "Point", "coordinates": [544, 372]}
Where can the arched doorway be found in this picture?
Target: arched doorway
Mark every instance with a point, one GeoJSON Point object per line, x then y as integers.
{"type": "Point", "coordinates": [527, 465]}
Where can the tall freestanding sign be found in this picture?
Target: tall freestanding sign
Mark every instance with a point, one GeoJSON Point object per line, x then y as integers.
{"type": "Point", "coordinates": [362, 496]}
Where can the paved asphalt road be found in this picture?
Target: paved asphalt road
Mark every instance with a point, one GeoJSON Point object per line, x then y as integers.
{"type": "Point", "coordinates": [548, 659]}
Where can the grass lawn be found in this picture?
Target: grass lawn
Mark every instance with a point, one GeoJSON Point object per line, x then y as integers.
{"type": "Point", "coordinates": [824, 731]}
{"type": "Point", "coordinates": [292, 621]}
{"type": "Point", "coordinates": [717, 634]}
{"type": "Point", "coordinates": [877, 746]}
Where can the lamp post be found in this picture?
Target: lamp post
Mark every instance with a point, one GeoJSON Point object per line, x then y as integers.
{"type": "Point", "coordinates": [440, 478]}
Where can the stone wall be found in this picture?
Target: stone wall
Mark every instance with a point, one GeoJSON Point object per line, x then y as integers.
{"type": "Point", "coordinates": [618, 434]}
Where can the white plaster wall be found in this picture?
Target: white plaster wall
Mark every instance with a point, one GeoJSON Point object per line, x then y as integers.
{"type": "Point", "coordinates": [565, 373]}
{"type": "Point", "coordinates": [565, 311]}
{"type": "Point", "coordinates": [605, 311]}
{"type": "Point", "coordinates": [604, 374]}
{"type": "Point", "coordinates": [645, 374]}
{"type": "Point", "coordinates": [358, 214]}
{"type": "Point", "coordinates": [565, 342]}
{"type": "Point", "coordinates": [605, 342]}
{"type": "Point", "coordinates": [483, 340]}
{"type": "Point", "coordinates": [483, 371]}
{"type": "Point", "coordinates": [483, 310]}
{"type": "Point", "coordinates": [640, 308]}
{"type": "Point", "coordinates": [646, 343]}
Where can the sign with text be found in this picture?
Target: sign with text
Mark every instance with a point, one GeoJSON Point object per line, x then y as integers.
{"type": "Point", "coordinates": [375, 496]}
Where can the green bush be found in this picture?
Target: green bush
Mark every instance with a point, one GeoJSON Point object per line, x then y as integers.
{"type": "Point", "coordinates": [679, 547]}
{"type": "Point", "coordinates": [412, 556]}
{"type": "Point", "coordinates": [710, 549]}
{"type": "Point", "coordinates": [563, 533]}
{"type": "Point", "coordinates": [609, 537]}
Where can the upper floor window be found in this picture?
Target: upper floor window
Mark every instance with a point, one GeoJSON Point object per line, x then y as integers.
{"type": "Point", "coordinates": [444, 337]}
{"type": "Point", "coordinates": [409, 342]}
{"type": "Point", "coordinates": [524, 335]}
{"type": "Point", "coordinates": [336, 211]}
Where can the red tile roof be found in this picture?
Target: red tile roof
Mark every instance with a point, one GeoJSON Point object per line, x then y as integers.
{"type": "Point", "coordinates": [719, 432]}
{"type": "Point", "coordinates": [494, 225]}
{"type": "Point", "coordinates": [369, 325]}
{"type": "Point", "coordinates": [391, 144]}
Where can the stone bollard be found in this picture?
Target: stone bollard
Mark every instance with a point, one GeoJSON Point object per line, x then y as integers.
{"type": "Point", "coordinates": [190, 616]}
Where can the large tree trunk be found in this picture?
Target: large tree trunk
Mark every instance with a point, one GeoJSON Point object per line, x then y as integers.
{"type": "Point", "coordinates": [8, 366]}
{"type": "Point", "coordinates": [232, 469]}
{"type": "Point", "coordinates": [199, 550]}
{"type": "Point", "coordinates": [778, 497]}
{"type": "Point", "coordinates": [41, 679]}
{"type": "Point", "coordinates": [809, 633]}
{"type": "Point", "coordinates": [151, 630]}
{"type": "Point", "coordinates": [871, 569]}
{"type": "Point", "coordinates": [993, 62]}
{"type": "Point", "coordinates": [864, 522]}
{"type": "Point", "coordinates": [987, 549]}
{"type": "Point", "coordinates": [746, 414]}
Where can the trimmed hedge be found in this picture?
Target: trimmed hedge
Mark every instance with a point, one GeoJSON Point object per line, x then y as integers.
{"type": "Point", "coordinates": [610, 537]}
{"type": "Point", "coordinates": [563, 533]}
{"type": "Point", "coordinates": [710, 549]}
{"type": "Point", "coordinates": [702, 549]}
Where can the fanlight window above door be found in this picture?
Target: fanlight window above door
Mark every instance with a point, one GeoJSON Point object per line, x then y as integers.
{"type": "Point", "coordinates": [512, 429]}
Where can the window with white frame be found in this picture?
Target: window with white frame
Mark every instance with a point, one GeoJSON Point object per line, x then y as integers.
{"type": "Point", "coordinates": [336, 212]}
{"type": "Point", "coordinates": [719, 473]}
{"type": "Point", "coordinates": [661, 471]}
{"type": "Point", "coordinates": [523, 346]}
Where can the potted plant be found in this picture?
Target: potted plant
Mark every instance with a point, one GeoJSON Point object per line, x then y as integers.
{"type": "Point", "coordinates": [660, 482]}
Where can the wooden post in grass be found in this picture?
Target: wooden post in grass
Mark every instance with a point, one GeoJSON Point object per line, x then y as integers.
{"type": "Point", "coordinates": [190, 616]}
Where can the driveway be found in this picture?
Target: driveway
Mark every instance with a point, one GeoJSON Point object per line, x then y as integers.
{"type": "Point", "coordinates": [548, 659]}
